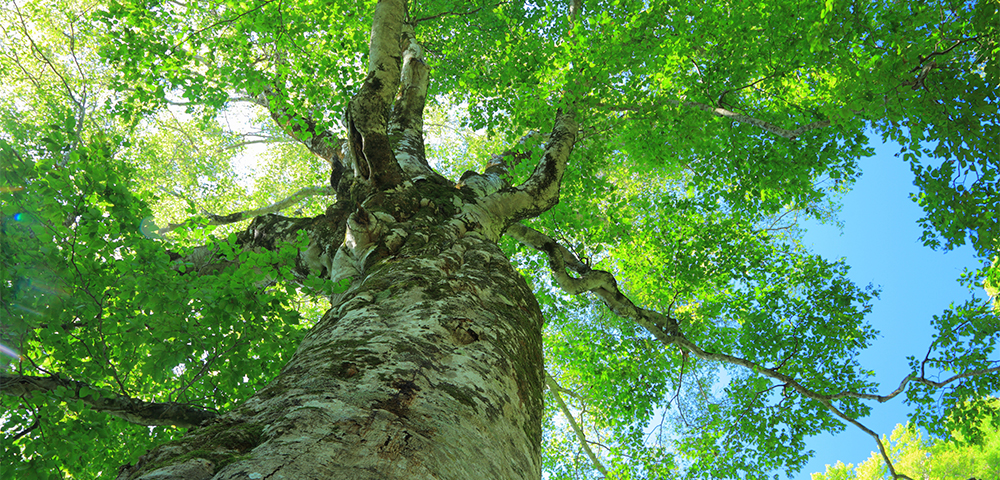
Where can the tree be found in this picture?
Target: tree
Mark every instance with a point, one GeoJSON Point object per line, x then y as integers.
{"type": "Point", "coordinates": [951, 460]}
{"type": "Point", "coordinates": [648, 164]}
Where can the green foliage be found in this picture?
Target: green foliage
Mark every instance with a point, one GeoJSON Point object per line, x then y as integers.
{"type": "Point", "coordinates": [88, 293]}
{"type": "Point", "coordinates": [738, 290]}
{"type": "Point", "coordinates": [200, 52]}
{"type": "Point", "coordinates": [693, 210]}
{"type": "Point", "coordinates": [928, 458]}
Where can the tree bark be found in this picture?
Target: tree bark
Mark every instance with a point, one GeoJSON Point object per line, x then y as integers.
{"type": "Point", "coordinates": [429, 366]}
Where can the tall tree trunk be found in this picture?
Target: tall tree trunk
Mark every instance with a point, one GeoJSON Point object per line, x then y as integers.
{"type": "Point", "coordinates": [429, 366]}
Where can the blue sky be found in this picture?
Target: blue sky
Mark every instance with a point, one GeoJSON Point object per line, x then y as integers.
{"type": "Point", "coordinates": [881, 242]}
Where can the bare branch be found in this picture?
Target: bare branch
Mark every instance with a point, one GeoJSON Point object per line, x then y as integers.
{"type": "Point", "coordinates": [38, 51]}
{"type": "Point", "coordinates": [455, 14]}
{"type": "Point", "coordinates": [266, 141]}
{"type": "Point", "coordinates": [766, 126]}
{"type": "Point", "coordinates": [936, 53]}
{"type": "Point", "coordinates": [878, 440]}
{"type": "Point", "coordinates": [278, 206]}
{"type": "Point", "coordinates": [220, 23]}
{"type": "Point", "coordinates": [555, 389]}
{"type": "Point", "coordinates": [28, 430]}
{"type": "Point", "coordinates": [736, 117]}
{"type": "Point", "coordinates": [602, 284]}
{"type": "Point", "coordinates": [129, 409]}
{"type": "Point", "coordinates": [79, 99]}
{"type": "Point", "coordinates": [205, 365]}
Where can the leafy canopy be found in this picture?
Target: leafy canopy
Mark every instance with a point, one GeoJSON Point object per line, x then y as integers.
{"type": "Point", "coordinates": [707, 130]}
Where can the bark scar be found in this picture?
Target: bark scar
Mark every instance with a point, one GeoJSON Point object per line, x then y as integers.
{"type": "Point", "coordinates": [399, 403]}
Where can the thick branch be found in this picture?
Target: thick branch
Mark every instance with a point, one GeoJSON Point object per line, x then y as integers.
{"type": "Point", "coordinates": [668, 331]}
{"type": "Point", "coordinates": [599, 282]}
{"type": "Point", "coordinates": [270, 232]}
{"type": "Point", "coordinates": [128, 409]}
{"type": "Point", "coordinates": [406, 127]}
{"type": "Point", "coordinates": [326, 234]}
{"type": "Point", "coordinates": [543, 184]}
{"type": "Point", "coordinates": [555, 389]}
{"type": "Point", "coordinates": [278, 206]}
{"type": "Point", "coordinates": [503, 163]}
{"type": "Point", "coordinates": [303, 128]}
{"type": "Point", "coordinates": [540, 191]}
{"type": "Point", "coordinates": [384, 49]}
{"type": "Point", "coordinates": [368, 111]}
{"type": "Point", "coordinates": [918, 82]}
{"type": "Point", "coordinates": [497, 174]}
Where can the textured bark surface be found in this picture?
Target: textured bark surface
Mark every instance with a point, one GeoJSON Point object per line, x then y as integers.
{"type": "Point", "coordinates": [429, 366]}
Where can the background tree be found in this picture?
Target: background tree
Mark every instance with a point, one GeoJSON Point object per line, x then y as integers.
{"type": "Point", "coordinates": [927, 458]}
{"type": "Point", "coordinates": [654, 155]}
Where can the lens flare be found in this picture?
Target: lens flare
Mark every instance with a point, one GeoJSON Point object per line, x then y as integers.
{"type": "Point", "coordinates": [10, 352]}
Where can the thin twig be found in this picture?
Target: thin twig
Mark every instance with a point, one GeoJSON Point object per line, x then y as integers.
{"type": "Point", "coordinates": [555, 388]}
{"type": "Point", "coordinates": [456, 14]}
